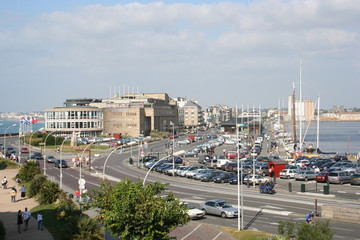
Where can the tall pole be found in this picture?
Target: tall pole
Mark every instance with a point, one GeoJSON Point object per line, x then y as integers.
{"type": "Point", "coordinates": [293, 115]}
{"type": "Point", "coordinates": [5, 137]}
{"type": "Point", "coordinates": [173, 133]}
{"type": "Point", "coordinates": [45, 150]}
{"type": "Point", "coordinates": [301, 112]}
{"type": "Point", "coordinates": [254, 145]}
{"type": "Point", "coordinates": [238, 167]}
{"type": "Point", "coordinates": [19, 142]}
{"type": "Point", "coordinates": [318, 125]}
{"type": "Point", "coordinates": [241, 179]}
{"type": "Point", "coordinates": [61, 176]}
{"type": "Point", "coordinates": [108, 159]}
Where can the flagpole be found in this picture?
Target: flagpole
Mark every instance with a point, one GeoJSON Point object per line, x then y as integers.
{"type": "Point", "coordinates": [20, 141]}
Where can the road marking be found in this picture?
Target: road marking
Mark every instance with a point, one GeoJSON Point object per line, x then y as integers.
{"type": "Point", "coordinates": [191, 232]}
{"type": "Point", "coordinates": [343, 229]}
{"type": "Point", "coordinates": [273, 207]}
{"type": "Point", "coordinates": [217, 236]}
{"type": "Point", "coordinates": [358, 193]}
{"type": "Point", "coordinates": [338, 236]}
{"type": "Point", "coordinates": [341, 192]}
{"type": "Point", "coordinates": [254, 209]}
{"type": "Point", "coordinates": [275, 223]}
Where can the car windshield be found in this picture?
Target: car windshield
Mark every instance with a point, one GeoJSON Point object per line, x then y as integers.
{"type": "Point", "coordinates": [224, 205]}
{"type": "Point", "coordinates": [189, 206]}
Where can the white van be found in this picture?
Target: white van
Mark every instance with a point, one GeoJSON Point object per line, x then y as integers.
{"type": "Point", "coordinates": [221, 162]}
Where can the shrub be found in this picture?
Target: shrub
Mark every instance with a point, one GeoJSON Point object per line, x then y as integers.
{"type": "Point", "coordinates": [49, 193]}
{"type": "Point", "coordinates": [2, 231]}
{"type": "Point", "coordinates": [36, 185]}
{"type": "Point", "coordinates": [281, 227]}
{"type": "Point", "coordinates": [319, 231]}
{"type": "Point", "coordinates": [28, 171]}
{"type": "Point", "coordinates": [85, 228]}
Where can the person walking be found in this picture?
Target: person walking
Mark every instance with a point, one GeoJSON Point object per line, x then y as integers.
{"type": "Point", "coordinates": [18, 181]}
{"type": "Point", "coordinates": [4, 182]}
{"type": "Point", "coordinates": [40, 221]}
{"type": "Point", "coordinates": [19, 220]}
{"type": "Point", "coordinates": [26, 215]}
{"type": "Point", "coordinates": [23, 191]}
{"type": "Point", "coordinates": [13, 194]}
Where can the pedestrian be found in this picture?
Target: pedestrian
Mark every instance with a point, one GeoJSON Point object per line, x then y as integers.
{"type": "Point", "coordinates": [26, 215]}
{"type": "Point", "coordinates": [23, 191]}
{"type": "Point", "coordinates": [40, 221]}
{"type": "Point", "coordinates": [4, 182]}
{"type": "Point", "coordinates": [224, 152]}
{"type": "Point", "coordinates": [19, 220]}
{"type": "Point", "coordinates": [13, 194]}
{"type": "Point", "coordinates": [18, 181]}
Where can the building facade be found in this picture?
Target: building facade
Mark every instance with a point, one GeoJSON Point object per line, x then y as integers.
{"type": "Point", "coordinates": [193, 115]}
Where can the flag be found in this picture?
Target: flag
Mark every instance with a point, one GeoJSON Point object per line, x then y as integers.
{"type": "Point", "coordinates": [24, 120]}
{"type": "Point", "coordinates": [34, 120]}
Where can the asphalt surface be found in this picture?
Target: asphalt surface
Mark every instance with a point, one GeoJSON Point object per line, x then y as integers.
{"type": "Point", "coordinates": [261, 212]}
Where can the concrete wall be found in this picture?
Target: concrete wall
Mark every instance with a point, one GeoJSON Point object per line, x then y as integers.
{"type": "Point", "coordinates": [340, 213]}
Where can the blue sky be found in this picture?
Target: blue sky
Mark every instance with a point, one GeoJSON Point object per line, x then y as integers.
{"type": "Point", "coordinates": [216, 52]}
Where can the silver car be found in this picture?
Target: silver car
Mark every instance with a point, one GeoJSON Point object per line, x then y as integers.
{"type": "Point", "coordinates": [305, 175]}
{"type": "Point", "coordinates": [219, 207]}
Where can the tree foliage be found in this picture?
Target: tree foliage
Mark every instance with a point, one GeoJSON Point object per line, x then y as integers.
{"type": "Point", "coordinates": [48, 193]}
{"type": "Point", "coordinates": [51, 140]}
{"type": "Point", "coordinates": [85, 228]}
{"type": "Point", "coordinates": [134, 211]}
{"type": "Point", "coordinates": [28, 171]}
{"type": "Point", "coordinates": [36, 184]}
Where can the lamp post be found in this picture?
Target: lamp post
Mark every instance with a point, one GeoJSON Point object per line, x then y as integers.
{"type": "Point", "coordinates": [108, 159]}
{"type": "Point", "coordinates": [60, 162]}
{"type": "Point", "coordinates": [173, 146]}
{"type": "Point", "coordinates": [5, 138]}
{"type": "Point", "coordinates": [81, 158]}
{"type": "Point", "coordinates": [39, 130]}
{"type": "Point", "coordinates": [45, 151]}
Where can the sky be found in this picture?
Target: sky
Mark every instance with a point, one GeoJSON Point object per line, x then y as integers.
{"type": "Point", "coordinates": [215, 52]}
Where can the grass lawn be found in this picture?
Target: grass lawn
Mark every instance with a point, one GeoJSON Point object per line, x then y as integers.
{"type": "Point", "coordinates": [246, 234]}
{"type": "Point", "coordinates": [59, 229]}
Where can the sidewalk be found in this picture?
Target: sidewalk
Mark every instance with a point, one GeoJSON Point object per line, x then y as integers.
{"type": "Point", "coordinates": [8, 212]}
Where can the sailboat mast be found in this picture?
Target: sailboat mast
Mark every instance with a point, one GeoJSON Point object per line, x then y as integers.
{"type": "Point", "coordinates": [318, 124]}
{"type": "Point", "coordinates": [301, 108]}
{"type": "Point", "coordinates": [293, 115]}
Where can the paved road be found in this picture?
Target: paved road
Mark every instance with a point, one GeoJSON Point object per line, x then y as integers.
{"type": "Point", "coordinates": [261, 212]}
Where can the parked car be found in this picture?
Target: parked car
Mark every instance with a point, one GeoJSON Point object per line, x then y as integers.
{"type": "Point", "coordinates": [192, 212]}
{"type": "Point", "coordinates": [176, 160]}
{"type": "Point", "coordinates": [24, 150]}
{"type": "Point", "coordinates": [340, 177]}
{"type": "Point", "coordinates": [219, 207]}
{"type": "Point", "coordinates": [190, 174]}
{"type": "Point", "coordinates": [355, 179]}
{"type": "Point", "coordinates": [208, 177]}
{"type": "Point", "coordinates": [254, 178]}
{"type": "Point", "coordinates": [202, 173]}
{"type": "Point", "coordinates": [50, 159]}
{"type": "Point", "coordinates": [288, 173]}
{"type": "Point", "coordinates": [305, 175]}
{"type": "Point", "coordinates": [190, 153]}
{"type": "Point", "coordinates": [203, 158]}
{"type": "Point", "coordinates": [262, 170]}
{"type": "Point", "coordinates": [183, 172]}
{"type": "Point", "coordinates": [223, 177]}
{"type": "Point", "coordinates": [322, 177]}
{"type": "Point", "coordinates": [211, 163]}
{"type": "Point", "coordinates": [177, 168]}
{"type": "Point", "coordinates": [37, 155]}
{"type": "Point", "coordinates": [63, 164]}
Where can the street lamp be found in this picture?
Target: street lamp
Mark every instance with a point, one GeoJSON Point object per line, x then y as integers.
{"type": "Point", "coordinates": [5, 138]}
{"type": "Point", "coordinates": [45, 151]}
{"type": "Point", "coordinates": [108, 159]}
{"type": "Point", "coordinates": [61, 162]}
{"type": "Point", "coordinates": [39, 130]}
{"type": "Point", "coordinates": [173, 145]}
{"type": "Point", "coordinates": [81, 158]}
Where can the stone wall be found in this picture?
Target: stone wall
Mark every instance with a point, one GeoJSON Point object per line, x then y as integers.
{"type": "Point", "coordinates": [340, 213]}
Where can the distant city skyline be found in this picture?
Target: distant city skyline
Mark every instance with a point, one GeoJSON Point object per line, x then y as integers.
{"type": "Point", "coordinates": [215, 52]}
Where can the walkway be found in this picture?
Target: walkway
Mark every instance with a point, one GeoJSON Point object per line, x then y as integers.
{"type": "Point", "coordinates": [8, 212]}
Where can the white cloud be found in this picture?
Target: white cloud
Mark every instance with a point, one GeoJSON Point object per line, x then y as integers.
{"type": "Point", "coordinates": [157, 44]}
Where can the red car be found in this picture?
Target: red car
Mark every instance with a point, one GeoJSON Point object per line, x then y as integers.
{"type": "Point", "coordinates": [24, 150]}
{"type": "Point", "coordinates": [322, 177]}
{"type": "Point", "coordinates": [232, 155]}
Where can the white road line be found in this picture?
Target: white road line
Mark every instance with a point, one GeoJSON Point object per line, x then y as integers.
{"type": "Point", "coordinates": [191, 232]}
{"type": "Point", "coordinates": [341, 192]}
{"type": "Point", "coordinates": [275, 223]}
{"type": "Point", "coordinates": [217, 235]}
{"type": "Point", "coordinates": [276, 212]}
{"type": "Point", "coordinates": [358, 193]}
{"type": "Point", "coordinates": [343, 229]}
{"type": "Point", "coordinates": [337, 236]}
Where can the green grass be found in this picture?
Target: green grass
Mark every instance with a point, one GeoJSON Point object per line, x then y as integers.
{"type": "Point", "coordinates": [59, 229]}
{"type": "Point", "coordinates": [246, 234]}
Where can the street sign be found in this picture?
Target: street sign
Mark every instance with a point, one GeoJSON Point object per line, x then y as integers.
{"type": "Point", "coordinates": [81, 181]}
{"type": "Point", "coordinates": [142, 153]}
{"type": "Point", "coordinates": [145, 145]}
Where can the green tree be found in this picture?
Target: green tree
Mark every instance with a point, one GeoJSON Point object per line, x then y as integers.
{"type": "Point", "coordinates": [48, 193]}
{"type": "Point", "coordinates": [36, 184]}
{"type": "Point", "coordinates": [28, 171]}
{"type": "Point", "coordinates": [320, 231]}
{"type": "Point", "coordinates": [134, 211]}
{"type": "Point", "coordinates": [85, 228]}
